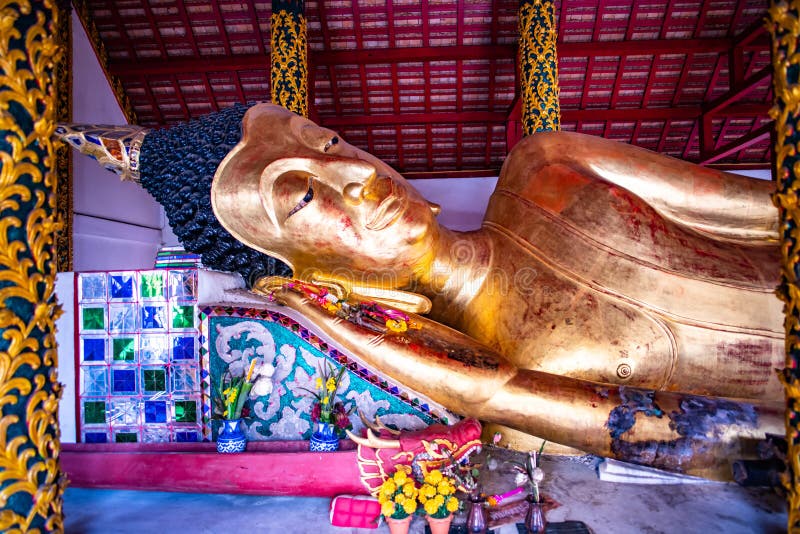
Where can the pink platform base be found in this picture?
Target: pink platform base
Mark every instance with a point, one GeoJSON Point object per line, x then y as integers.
{"type": "Point", "coordinates": [267, 468]}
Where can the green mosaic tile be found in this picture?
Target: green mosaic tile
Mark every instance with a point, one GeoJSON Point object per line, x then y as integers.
{"type": "Point", "coordinates": [94, 412]}
{"type": "Point", "coordinates": [155, 379]}
{"type": "Point", "coordinates": [185, 412]}
{"type": "Point", "coordinates": [124, 349]}
{"type": "Point", "coordinates": [94, 319]}
{"type": "Point", "coordinates": [182, 316]}
{"type": "Point", "coordinates": [126, 437]}
{"type": "Point", "coordinates": [152, 285]}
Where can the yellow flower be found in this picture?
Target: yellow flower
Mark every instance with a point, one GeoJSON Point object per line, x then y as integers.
{"type": "Point", "coordinates": [409, 490]}
{"type": "Point", "coordinates": [388, 488]}
{"type": "Point", "coordinates": [434, 477]}
{"type": "Point", "coordinates": [439, 500]}
{"type": "Point", "coordinates": [452, 504]}
{"type": "Point", "coordinates": [400, 478]}
{"type": "Point", "coordinates": [399, 498]}
{"type": "Point", "coordinates": [387, 508]}
{"type": "Point", "coordinates": [410, 506]}
{"type": "Point", "coordinates": [422, 498]}
{"type": "Point", "coordinates": [330, 385]}
{"type": "Point", "coordinates": [382, 498]}
{"type": "Point", "coordinates": [428, 490]}
{"type": "Point", "coordinates": [431, 507]}
{"type": "Point", "coordinates": [444, 487]}
{"type": "Point", "coordinates": [324, 401]}
{"type": "Point", "coordinates": [319, 383]}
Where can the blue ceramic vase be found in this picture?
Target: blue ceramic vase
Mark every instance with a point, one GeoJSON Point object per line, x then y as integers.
{"type": "Point", "coordinates": [324, 438]}
{"type": "Point", "coordinates": [231, 438]}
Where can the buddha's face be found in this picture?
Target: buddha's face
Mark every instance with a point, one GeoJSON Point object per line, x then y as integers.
{"type": "Point", "coordinates": [327, 208]}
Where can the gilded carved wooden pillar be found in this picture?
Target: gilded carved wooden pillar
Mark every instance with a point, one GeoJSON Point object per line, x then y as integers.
{"type": "Point", "coordinates": [538, 66]}
{"type": "Point", "coordinates": [63, 159]}
{"type": "Point", "coordinates": [783, 23]}
{"type": "Point", "coordinates": [31, 482]}
{"type": "Point", "coordinates": [289, 70]}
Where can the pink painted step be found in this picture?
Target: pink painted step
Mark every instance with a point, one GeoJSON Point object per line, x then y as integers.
{"type": "Point", "coordinates": [267, 468]}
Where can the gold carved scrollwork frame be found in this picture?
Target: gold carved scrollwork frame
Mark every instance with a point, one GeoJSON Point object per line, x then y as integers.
{"type": "Point", "coordinates": [784, 24]}
{"type": "Point", "coordinates": [31, 482]}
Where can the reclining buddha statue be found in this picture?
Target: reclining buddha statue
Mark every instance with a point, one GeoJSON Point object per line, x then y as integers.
{"type": "Point", "coordinates": [614, 300]}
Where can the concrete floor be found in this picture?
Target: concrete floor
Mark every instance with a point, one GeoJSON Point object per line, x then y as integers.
{"type": "Point", "coordinates": [606, 507]}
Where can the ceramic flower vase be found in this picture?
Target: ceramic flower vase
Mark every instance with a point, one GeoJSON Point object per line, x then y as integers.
{"type": "Point", "coordinates": [231, 438]}
{"type": "Point", "coordinates": [399, 526]}
{"type": "Point", "coordinates": [324, 438]}
{"type": "Point", "coordinates": [440, 525]}
{"type": "Point", "coordinates": [534, 521]}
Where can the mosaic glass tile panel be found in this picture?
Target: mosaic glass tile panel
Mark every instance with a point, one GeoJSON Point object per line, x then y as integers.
{"type": "Point", "coordinates": [139, 377]}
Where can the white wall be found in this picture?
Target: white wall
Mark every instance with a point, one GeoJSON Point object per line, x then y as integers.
{"type": "Point", "coordinates": [118, 225]}
{"type": "Point", "coordinates": [65, 337]}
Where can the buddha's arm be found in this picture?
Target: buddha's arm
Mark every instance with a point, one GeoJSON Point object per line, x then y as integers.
{"type": "Point", "coordinates": [719, 204]}
{"type": "Point", "coordinates": [668, 430]}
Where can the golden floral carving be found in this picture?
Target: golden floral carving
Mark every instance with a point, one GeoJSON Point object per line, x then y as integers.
{"type": "Point", "coordinates": [538, 66]}
{"type": "Point", "coordinates": [31, 483]}
{"type": "Point", "coordinates": [289, 67]}
{"type": "Point", "coordinates": [784, 25]}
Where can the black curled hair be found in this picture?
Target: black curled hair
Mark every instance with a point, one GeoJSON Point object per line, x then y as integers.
{"type": "Point", "coordinates": [176, 167]}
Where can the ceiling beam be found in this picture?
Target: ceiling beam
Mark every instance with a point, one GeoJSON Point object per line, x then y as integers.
{"type": "Point", "coordinates": [743, 142]}
{"type": "Point", "coordinates": [433, 53]}
{"type": "Point", "coordinates": [413, 118]}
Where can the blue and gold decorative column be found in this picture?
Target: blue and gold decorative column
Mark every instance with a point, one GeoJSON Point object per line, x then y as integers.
{"type": "Point", "coordinates": [31, 482]}
{"type": "Point", "coordinates": [538, 66]}
{"type": "Point", "coordinates": [783, 23]}
{"type": "Point", "coordinates": [289, 76]}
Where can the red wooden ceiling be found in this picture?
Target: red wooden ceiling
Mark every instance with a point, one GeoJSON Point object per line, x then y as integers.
{"type": "Point", "coordinates": [430, 86]}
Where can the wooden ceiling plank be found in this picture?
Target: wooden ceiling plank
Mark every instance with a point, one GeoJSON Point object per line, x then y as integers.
{"type": "Point", "coordinates": [223, 32]}
{"type": "Point", "coordinates": [151, 21]}
{"type": "Point", "coordinates": [179, 95]}
{"type": "Point", "coordinates": [189, 29]}
{"type": "Point", "coordinates": [389, 22]}
{"type": "Point", "coordinates": [701, 20]}
{"type": "Point", "coordinates": [251, 11]}
{"type": "Point", "coordinates": [210, 92]}
{"type": "Point", "coordinates": [690, 140]}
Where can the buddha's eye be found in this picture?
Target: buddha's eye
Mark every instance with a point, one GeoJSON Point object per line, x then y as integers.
{"type": "Point", "coordinates": [309, 196]}
{"type": "Point", "coordinates": [332, 142]}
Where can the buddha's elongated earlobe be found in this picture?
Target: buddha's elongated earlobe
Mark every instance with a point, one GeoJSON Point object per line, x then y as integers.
{"type": "Point", "coordinates": [116, 148]}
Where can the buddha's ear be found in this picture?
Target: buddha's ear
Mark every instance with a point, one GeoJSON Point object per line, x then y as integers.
{"type": "Point", "coordinates": [435, 208]}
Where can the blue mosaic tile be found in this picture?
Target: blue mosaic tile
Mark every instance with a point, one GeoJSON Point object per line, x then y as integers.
{"type": "Point", "coordinates": [94, 350]}
{"type": "Point", "coordinates": [122, 286]}
{"type": "Point", "coordinates": [123, 380]}
{"type": "Point", "coordinates": [183, 348]}
{"type": "Point", "coordinates": [186, 437]}
{"type": "Point", "coordinates": [95, 437]}
{"type": "Point", "coordinates": [155, 412]}
{"type": "Point", "coordinates": [153, 317]}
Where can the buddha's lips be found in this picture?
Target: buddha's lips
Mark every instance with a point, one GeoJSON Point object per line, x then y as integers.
{"type": "Point", "coordinates": [389, 210]}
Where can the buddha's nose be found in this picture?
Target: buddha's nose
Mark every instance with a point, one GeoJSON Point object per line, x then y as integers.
{"type": "Point", "coordinates": [360, 177]}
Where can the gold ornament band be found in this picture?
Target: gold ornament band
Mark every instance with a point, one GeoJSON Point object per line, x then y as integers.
{"type": "Point", "coordinates": [783, 23]}
{"type": "Point", "coordinates": [538, 66]}
{"type": "Point", "coordinates": [289, 68]}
